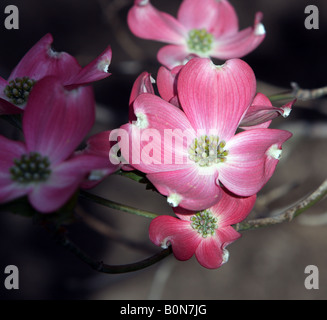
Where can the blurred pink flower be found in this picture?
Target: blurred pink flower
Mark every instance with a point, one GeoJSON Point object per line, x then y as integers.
{"type": "Point", "coordinates": [41, 61]}
{"type": "Point", "coordinates": [44, 167]}
{"type": "Point", "coordinates": [99, 145]}
{"type": "Point", "coordinates": [206, 28]}
{"type": "Point", "coordinates": [189, 153]}
{"type": "Point", "coordinates": [206, 233]}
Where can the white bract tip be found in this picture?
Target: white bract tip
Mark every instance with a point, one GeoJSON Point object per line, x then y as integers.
{"type": "Point", "coordinates": [142, 121]}
{"type": "Point", "coordinates": [225, 256]}
{"type": "Point", "coordinates": [274, 152]}
{"type": "Point", "coordinates": [260, 30]}
{"type": "Point", "coordinates": [174, 199]}
{"type": "Point", "coordinates": [165, 243]}
{"type": "Point", "coordinates": [286, 112]}
{"type": "Point", "coordinates": [53, 54]}
{"type": "Point", "coordinates": [143, 2]}
{"type": "Point", "coordinates": [97, 175]}
{"type": "Point", "coordinates": [103, 65]}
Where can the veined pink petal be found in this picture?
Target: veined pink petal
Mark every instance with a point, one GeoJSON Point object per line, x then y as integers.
{"type": "Point", "coordinates": [63, 182]}
{"type": "Point", "coordinates": [239, 44]}
{"type": "Point", "coordinates": [99, 144]}
{"type": "Point", "coordinates": [173, 55]}
{"type": "Point", "coordinates": [232, 209]}
{"type": "Point", "coordinates": [96, 70]}
{"type": "Point", "coordinates": [41, 61]}
{"type": "Point", "coordinates": [142, 84]}
{"type": "Point", "coordinates": [187, 188]}
{"type": "Point", "coordinates": [56, 120]}
{"type": "Point", "coordinates": [229, 210]}
{"type": "Point", "coordinates": [167, 82]}
{"type": "Point", "coordinates": [215, 98]}
{"type": "Point", "coordinates": [165, 230]}
{"type": "Point", "coordinates": [9, 151]}
{"type": "Point", "coordinates": [209, 253]}
{"type": "Point", "coordinates": [261, 112]}
{"type": "Point", "coordinates": [227, 235]}
{"type": "Point", "coordinates": [244, 172]}
{"type": "Point", "coordinates": [159, 139]}
{"type": "Point", "coordinates": [254, 117]}
{"type": "Point", "coordinates": [226, 20]}
{"type": "Point", "coordinates": [149, 23]}
{"type": "Point", "coordinates": [194, 14]}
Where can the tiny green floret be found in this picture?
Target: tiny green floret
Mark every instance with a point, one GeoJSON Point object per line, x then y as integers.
{"type": "Point", "coordinates": [200, 41]}
{"type": "Point", "coordinates": [206, 151]}
{"type": "Point", "coordinates": [18, 90]}
{"type": "Point", "coordinates": [204, 223]}
{"type": "Point", "coordinates": [30, 168]}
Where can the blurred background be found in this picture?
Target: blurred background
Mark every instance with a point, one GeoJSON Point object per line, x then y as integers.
{"type": "Point", "coordinates": [267, 263]}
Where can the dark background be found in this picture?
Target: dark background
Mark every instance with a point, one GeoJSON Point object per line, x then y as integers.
{"type": "Point", "coordinates": [265, 264]}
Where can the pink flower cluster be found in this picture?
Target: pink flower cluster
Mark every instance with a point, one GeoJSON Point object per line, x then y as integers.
{"type": "Point", "coordinates": [51, 90]}
{"type": "Point", "coordinates": [204, 142]}
{"type": "Point", "coordinates": [206, 145]}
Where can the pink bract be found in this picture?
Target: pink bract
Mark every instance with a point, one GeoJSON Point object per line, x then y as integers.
{"type": "Point", "coordinates": [41, 61]}
{"type": "Point", "coordinates": [44, 167]}
{"type": "Point", "coordinates": [189, 153]}
{"type": "Point", "coordinates": [206, 28]}
{"type": "Point", "coordinates": [205, 234]}
{"type": "Point", "coordinates": [99, 145]}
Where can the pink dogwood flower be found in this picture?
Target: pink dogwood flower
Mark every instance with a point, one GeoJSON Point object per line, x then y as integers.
{"type": "Point", "coordinates": [206, 28]}
{"type": "Point", "coordinates": [189, 154]}
{"type": "Point", "coordinates": [44, 167]}
{"type": "Point", "coordinates": [41, 61]}
{"type": "Point", "coordinates": [205, 234]}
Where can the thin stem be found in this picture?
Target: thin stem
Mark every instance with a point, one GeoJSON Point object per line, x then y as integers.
{"type": "Point", "coordinates": [112, 269]}
{"type": "Point", "coordinates": [134, 175]}
{"type": "Point", "coordinates": [116, 205]}
{"type": "Point", "coordinates": [287, 215]}
{"type": "Point", "coordinates": [281, 96]}
{"type": "Point", "coordinates": [300, 94]}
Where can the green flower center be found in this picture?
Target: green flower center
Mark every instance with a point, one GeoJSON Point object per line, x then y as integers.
{"type": "Point", "coordinates": [199, 40]}
{"type": "Point", "coordinates": [206, 151]}
{"type": "Point", "coordinates": [18, 90]}
{"type": "Point", "coordinates": [204, 223]}
{"type": "Point", "coordinates": [30, 167]}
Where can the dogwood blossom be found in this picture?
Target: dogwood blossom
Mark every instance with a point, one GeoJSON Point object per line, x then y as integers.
{"type": "Point", "coordinates": [189, 153]}
{"type": "Point", "coordinates": [41, 61]}
{"type": "Point", "coordinates": [205, 233]}
{"type": "Point", "coordinates": [44, 167]}
{"type": "Point", "coordinates": [206, 28]}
